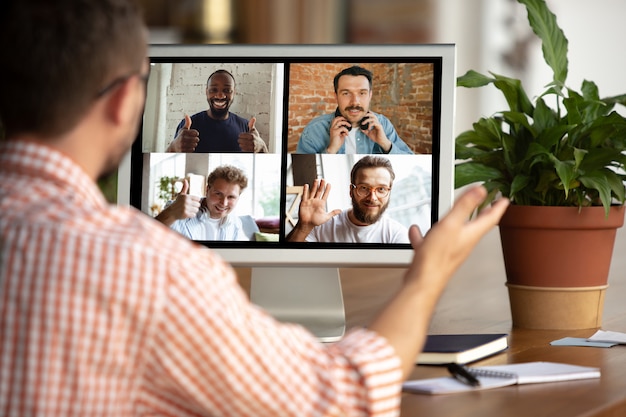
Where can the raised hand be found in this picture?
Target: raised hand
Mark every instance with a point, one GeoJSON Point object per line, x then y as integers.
{"type": "Point", "coordinates": [404, 321]}
{"type": "Point", "coordinates": [251, 140]}
{"type": "Point", "coordinates": [451, 240]}
{"type": "Point", "coordinates": [186, 140]}
{"type": "Point", "coordinates": [312, 211]}
{"type": "Point", "coordinates": [184, 206]}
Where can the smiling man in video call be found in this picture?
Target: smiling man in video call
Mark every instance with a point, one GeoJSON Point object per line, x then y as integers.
{"type": "Point", "coordinates": [217, 129]}
{"type": "Point", "coordinates": [353, 128]}
{"type": "Point", "coordinates": [209, 218]}
{"type": "Point", "coordinates": [371, 181]}
{"type": "Point", "coordinates": [105, 311]}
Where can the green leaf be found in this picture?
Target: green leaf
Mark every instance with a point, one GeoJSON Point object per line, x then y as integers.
{"type": "Point", "coordinates": [514, 94]}
{"type": "Point", "coordinates": [598, 181]}
{"type": "Point", "coordinates": [566, 172]}
{"type": "Point", "coordinates": [551, 137]}
{"type": "Point", "coordinates": [486, 135]}
{"type": "Point", "coordinates": [579, 155]}
{"type": "Point", "coordinates": [473, 79]}
{"type": "Point", "coordinates": [469, 152]}
{"type": "Point", "coordinates": [544, 117]}
{"type": "Point", "coordinates": [519, 183]}
{"type": "Point", "coordinates": [471, 172]}
{"type": "Point", "coordinates": [621, 99]}
{"type": "Point", "coordinates": [517, 118]}
{"type": "Point", "coordinates": [616, 182]}
{"type": "Point", "coordinates": [554, 43]}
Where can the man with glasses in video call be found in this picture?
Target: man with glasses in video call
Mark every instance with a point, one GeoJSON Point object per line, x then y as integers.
{"type": "Point", "coordinates": [370, 190]}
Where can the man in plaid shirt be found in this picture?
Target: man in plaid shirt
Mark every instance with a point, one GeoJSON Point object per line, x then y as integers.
{"type": "Point", "coordinates": [106, 312]}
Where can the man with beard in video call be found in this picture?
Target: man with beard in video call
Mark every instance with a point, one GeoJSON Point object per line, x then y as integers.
{"type": "Point", "coordinates": [217, 130]}
{"type": "Point", "coordinates": [371, 181]}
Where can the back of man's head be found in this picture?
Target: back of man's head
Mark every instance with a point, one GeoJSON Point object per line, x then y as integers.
{"type": "Point", "coordinates": [58, 55]}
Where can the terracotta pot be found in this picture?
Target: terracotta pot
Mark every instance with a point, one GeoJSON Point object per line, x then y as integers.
{"type": "Point", "coordinates": [558, 246]}
{"type": "Point", "coordinates": [557, 262]}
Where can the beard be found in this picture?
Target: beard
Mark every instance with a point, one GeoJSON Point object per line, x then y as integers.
{"type": "Point", "coordinates": [363, 215]}
{"type": "Point", "coordinates": [219, 111]}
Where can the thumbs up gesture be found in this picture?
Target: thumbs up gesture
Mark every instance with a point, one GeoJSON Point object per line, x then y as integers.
{"type": "Point", "coordinates": [251, 140]}
{"type": "Point", "coordinates": [186, 139]}
{"type": "Point", "coordinates": [184, 206]}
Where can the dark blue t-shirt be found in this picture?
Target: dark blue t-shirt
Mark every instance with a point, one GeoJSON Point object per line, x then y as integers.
{"type": "Point", "coordinates": [217, 135]}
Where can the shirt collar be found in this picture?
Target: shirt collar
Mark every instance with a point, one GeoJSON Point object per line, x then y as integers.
{"type": "Point", "coordinates": [41, 161]}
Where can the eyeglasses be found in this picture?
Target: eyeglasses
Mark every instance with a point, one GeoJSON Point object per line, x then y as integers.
{"type": "Point", "coordinates": [119, 80]}
{"type": "Point", "coordinates": [363, 190]}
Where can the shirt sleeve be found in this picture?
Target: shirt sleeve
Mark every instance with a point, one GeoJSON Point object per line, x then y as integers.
{"type": "Point", "coordinates": [215, 353]}
{"type": "Point", "coordinates": [238, 232]}
{"type": "Point", "coordinates": [315, 137]}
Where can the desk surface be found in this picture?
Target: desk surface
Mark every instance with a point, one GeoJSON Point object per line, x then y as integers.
{"type": "Point", "coordinates": [476, 301]}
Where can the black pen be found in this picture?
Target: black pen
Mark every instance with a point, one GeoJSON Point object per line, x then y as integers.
{"type": "Point", "coordinates": [461, 374]}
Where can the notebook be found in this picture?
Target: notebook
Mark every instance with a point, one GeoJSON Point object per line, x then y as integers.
{"type": "Point", "coordinates": [503, 375]}
{"type": "Point", "coordinates": [460, 348]}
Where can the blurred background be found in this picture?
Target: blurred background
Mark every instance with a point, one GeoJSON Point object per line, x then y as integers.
{"type": "Point", "coordinates": [490, 35]}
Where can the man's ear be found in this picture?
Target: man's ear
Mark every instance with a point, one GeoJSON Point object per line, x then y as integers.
{"type": "Point", "coordinates": [122, 102]}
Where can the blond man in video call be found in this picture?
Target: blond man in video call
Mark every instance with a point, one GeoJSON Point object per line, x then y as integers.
{"type": "Point", "coordinates": [210, 217]}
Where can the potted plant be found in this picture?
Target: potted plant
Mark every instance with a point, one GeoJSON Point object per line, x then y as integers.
{"type": "Point", "coordinates": [558, 157]}
{"type": "Point", "coordinates": [166, 192]}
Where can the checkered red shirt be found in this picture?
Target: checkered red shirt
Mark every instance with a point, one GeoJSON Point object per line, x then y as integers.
{"type": "Point", "coordinates": [105, 312]}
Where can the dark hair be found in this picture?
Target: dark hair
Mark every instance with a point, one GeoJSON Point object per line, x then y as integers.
{"type": "Point", "coordinates": [220, 71]}
{"type": "Point", "coordinates": [369, 161]}
{"type": "Point", "coordinates": [230, 174]}
{"type": "Point", "coordinates": [354, 70]}
{"type": "Point", "coordinates": [59, 54]}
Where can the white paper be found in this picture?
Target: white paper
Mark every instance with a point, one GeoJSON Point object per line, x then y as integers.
{"type": "Point", "coordinates": [607, 336]}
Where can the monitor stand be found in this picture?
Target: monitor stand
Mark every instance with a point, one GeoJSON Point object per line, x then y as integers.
{"type": "Point", "coordinates": [309, 296]}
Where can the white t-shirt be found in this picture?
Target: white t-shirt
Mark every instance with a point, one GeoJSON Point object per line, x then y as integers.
{"type": "Point", "coordinates": [351, 141]}
{"type": "Point", "coordinates": [203, 227]}
{"type": "Point", "coordinates": [341, 229]}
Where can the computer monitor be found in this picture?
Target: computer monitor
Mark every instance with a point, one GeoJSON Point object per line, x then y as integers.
{"type": "Point", "coordinates": [284, 87]}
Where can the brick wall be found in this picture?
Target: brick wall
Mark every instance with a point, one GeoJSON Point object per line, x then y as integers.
{"type": "Point", "coordinates": [402, 92]}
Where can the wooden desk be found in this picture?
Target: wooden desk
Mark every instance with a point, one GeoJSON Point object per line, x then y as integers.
{"type": "Point", "coordinates": [476, 301]}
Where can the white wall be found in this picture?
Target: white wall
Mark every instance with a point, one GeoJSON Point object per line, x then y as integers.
{"type": "Point", "coordinates": [478, 27]}
{"type": "Point", "coordinates": [596, 34]}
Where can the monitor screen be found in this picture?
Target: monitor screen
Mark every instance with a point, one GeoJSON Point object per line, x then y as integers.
{"type": "Point", "coordinates": [285, 116]}
{"type": "Point", "coordinates": [284, 89]}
